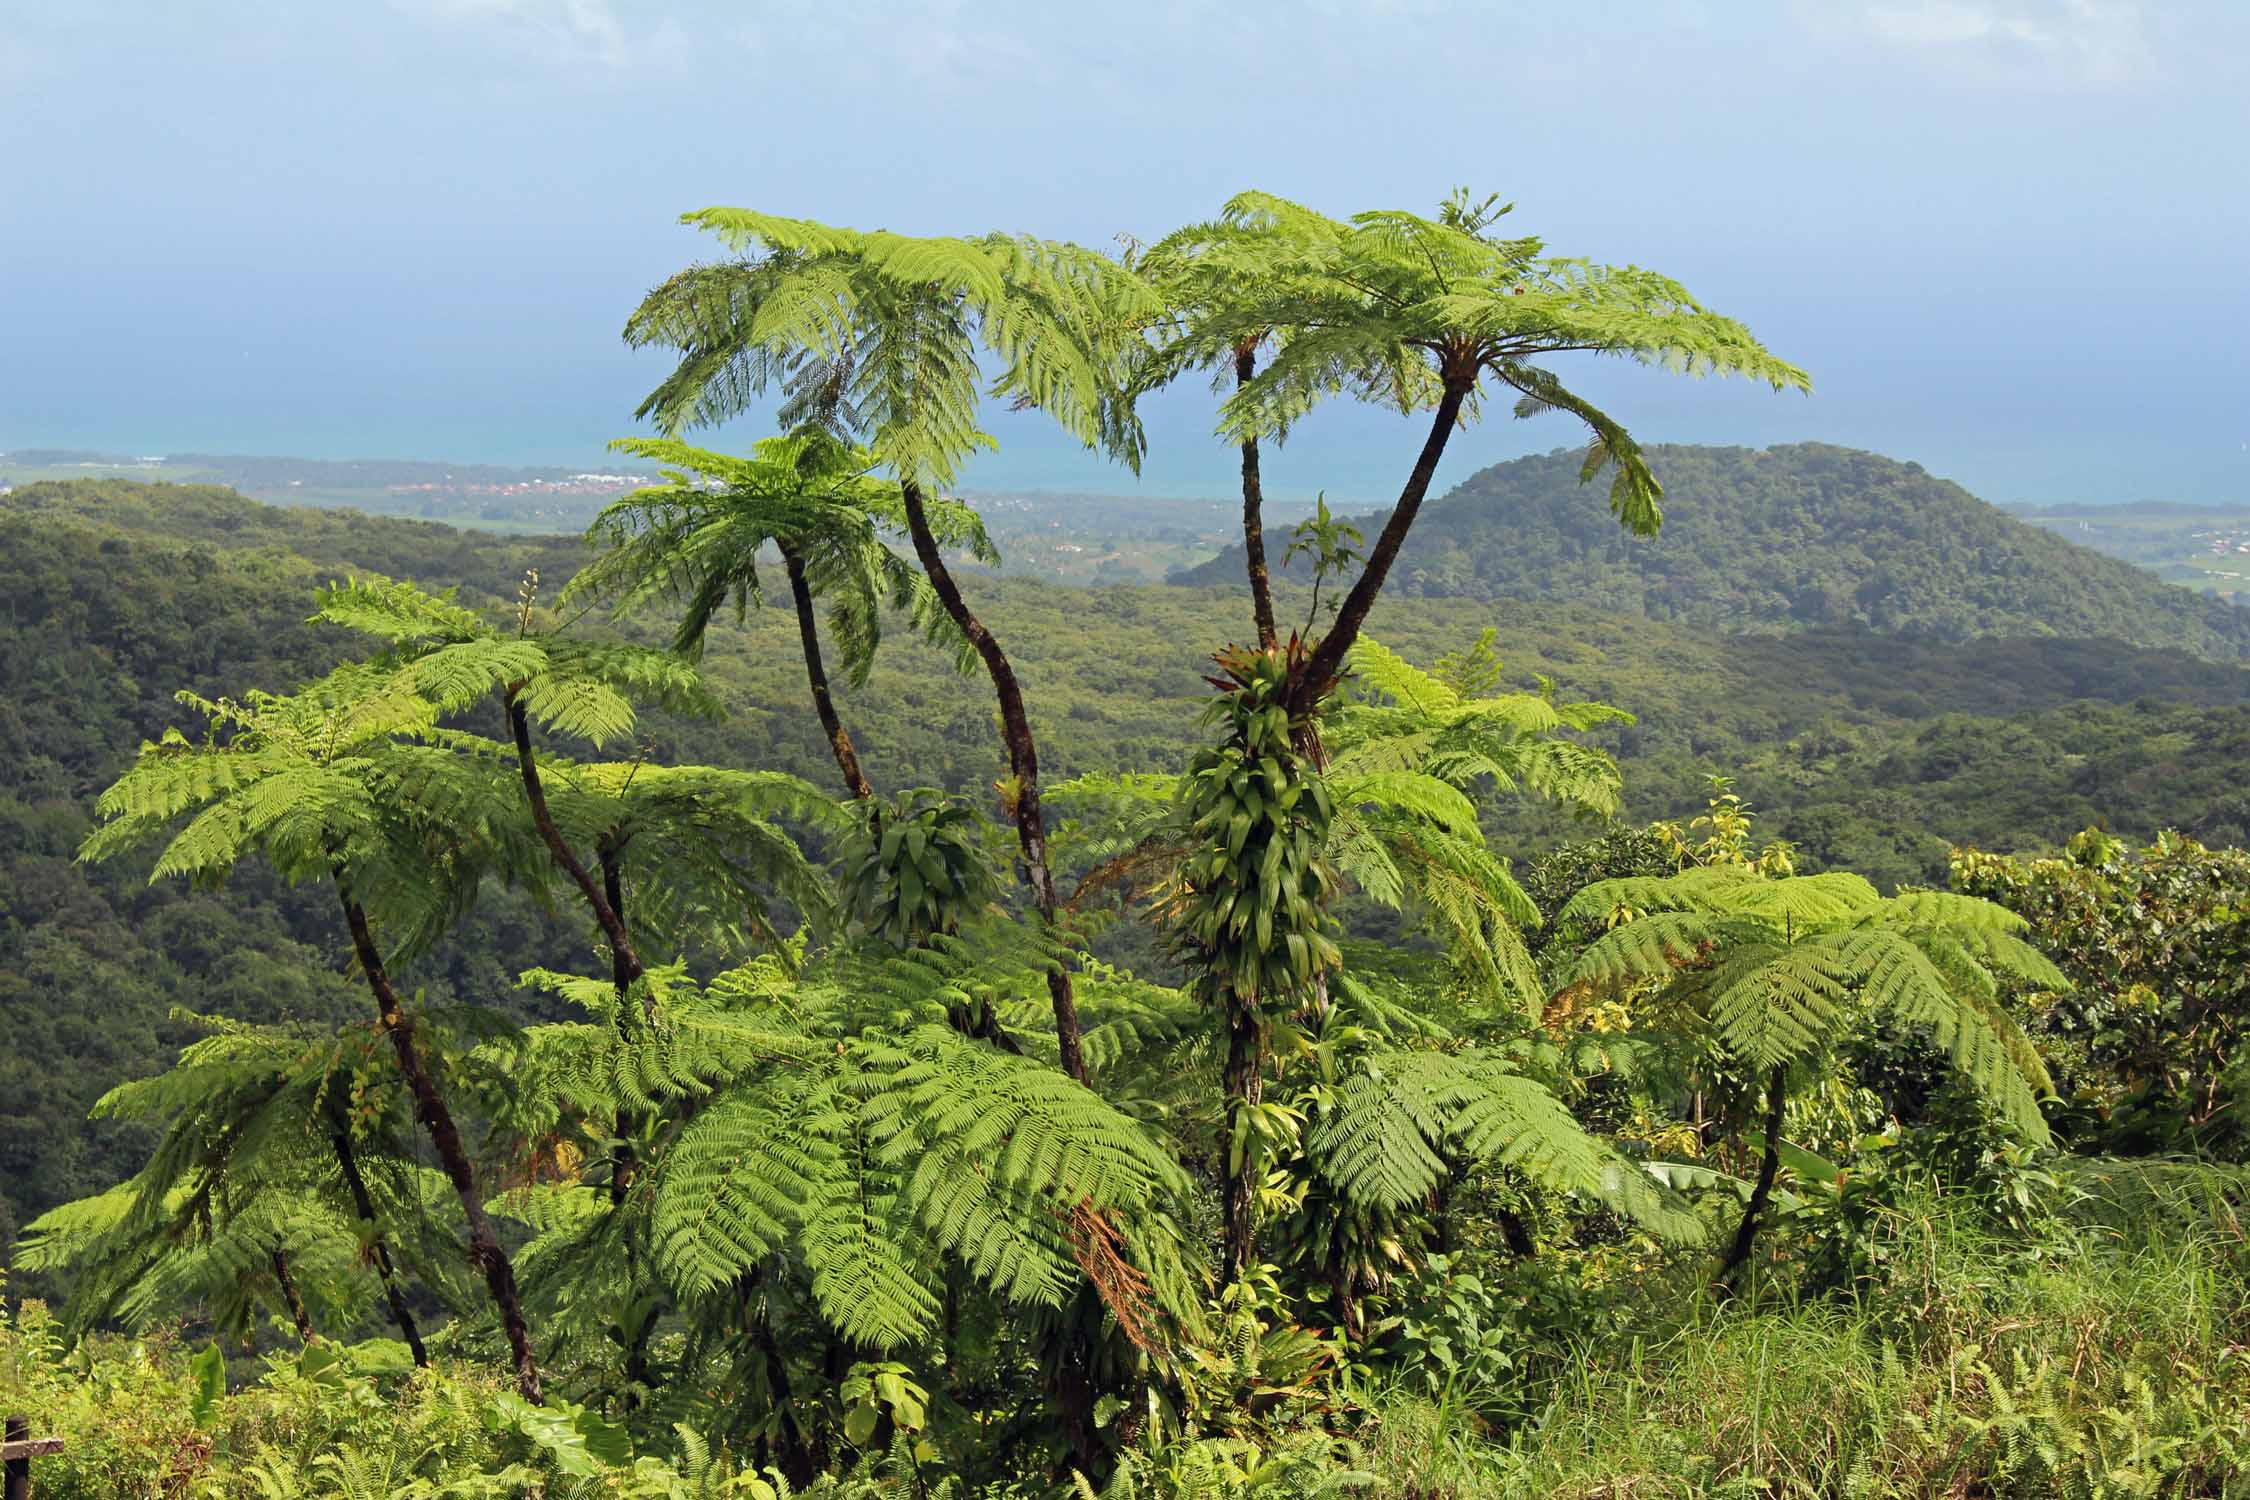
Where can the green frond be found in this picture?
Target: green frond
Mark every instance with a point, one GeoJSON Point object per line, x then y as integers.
{"type": "Point", "coordinates": [748, 1175]}
{"type": "Point", "coordinates": [1899, 980]}
{"type": "Point", "coordinates": [399, 613]}
{"type": "Point", "coordinates": [1775, 1006]}
{"type": "Point", "coordinates": [1649, 947]}
{"type": "Point", "coordinates": [1400, 1124]}
{"type": "Point", "coordinates": [1801, 900]}
{"type": "Point", "coordinates": [1382, 670]}
{"type": "Point", "coordinates": [1412, 793]}
{"type": "Point", "coordinates": [872, 1288]}
{"type": "Point", "coordinates": [1700, 888]}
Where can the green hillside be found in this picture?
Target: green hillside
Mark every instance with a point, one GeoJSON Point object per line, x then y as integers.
{"type": "Point", "coordinates": [1867, 749]}
{"type": "Point", "coordinates": [1783, 539]}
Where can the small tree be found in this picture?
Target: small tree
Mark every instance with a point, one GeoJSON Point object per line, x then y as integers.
{"type": "Point", "coordinates": [696, 540]}
{"type": "Point", "coordinates": [275, 1148]}
{"type": "Point", "coordinates": [1419, 315]}
{"type": "Point", "coordinates": [1778, 970]}
{"type": "Point", "coordinates": [316, 784]}
{"type": "Point", "coordinates": [1411, 751]}
{"type": "Point", "coordinates": [907, 326]}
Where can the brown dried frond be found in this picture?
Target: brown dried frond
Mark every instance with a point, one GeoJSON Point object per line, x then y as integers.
{"type": "Point", "coordinates": [1100, 1252]}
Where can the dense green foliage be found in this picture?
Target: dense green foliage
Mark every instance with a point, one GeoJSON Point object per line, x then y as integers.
{"type": "Point", "coordinates": [2157, 942]}
{"type": "Point", "coordinates": [1873, 753]}
{"type": "Point", "coordinates": [1791, 538]}
{"type": "Point", "coordinates": [2099, 1354]}
{"type": "Point", "coordinates": [1235, 1116]}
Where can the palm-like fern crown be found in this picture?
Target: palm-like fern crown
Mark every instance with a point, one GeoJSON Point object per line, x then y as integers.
{"type": "Point", "coordinates": [452, 657]}
{"type": "Point", "coordinates": [905, 324]}
{"type": "Point", "coordinates": [322, 784]}
{"type": "Point", "coordinates": [1393, 308]}
{"type": "Point", "coordinates": [1782, 969]}
{"type": "Point", "coordinates": [705, 848]}
{"type": "Point", "coordinates": [706, 852]}
{"type": "Point", "coordinates": [696, 539]}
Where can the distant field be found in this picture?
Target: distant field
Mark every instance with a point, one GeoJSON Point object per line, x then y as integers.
{"type": "Point", "coordinates": [2199, 547]}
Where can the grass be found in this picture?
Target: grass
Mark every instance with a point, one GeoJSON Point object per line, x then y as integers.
{"type": "Point", "coordinates": [2108, 1360]}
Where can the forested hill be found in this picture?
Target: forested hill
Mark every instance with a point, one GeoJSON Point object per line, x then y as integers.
{"type": "Point", "coordinates": [118, 594]}
{"type": "Point", "coordinates": [1786, 538]}
{"type": "Point", "coordinates": [335, 538]}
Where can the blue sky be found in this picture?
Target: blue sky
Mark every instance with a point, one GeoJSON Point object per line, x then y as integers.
{"type": "Point", "coordinates": [2006, 236]}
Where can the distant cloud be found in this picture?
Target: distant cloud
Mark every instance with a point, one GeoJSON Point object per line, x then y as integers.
{"type": "Point", "coordinates": [575, 33]}
{"type": "Point", "coordinates": [2049, 44]}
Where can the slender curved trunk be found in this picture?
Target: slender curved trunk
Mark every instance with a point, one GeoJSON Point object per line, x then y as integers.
{"type": "Point", "coordinates": [1253, 517]}
{"type": "Point", "coordinates": [620, 941]}
{"type": "Point", "coordinates": [839, 741]}
{"type": "Point", "coordinates": [363, 1205]}
{"type": "Point", "coordinates": [485, 1250]}
{"type": "Point", "coordinates": [1769, 1167]}
{"type": "Point", "coordinates": [1069, 1390]}
{"type": "Point", "coordinates": [1343, 1286]}
{"type": "Point", "coordinates": [296, 1304]}
{"type": "Point", "coordinates": [1244, 1085]}
{"type": "Point", "coordinates": [1077, 1395]}
{"type": "Point", "coordinates": [1023, 764]}
{"type": "Point", "coordinates": [1327, 659]}
{"type": "Point", "coordinates": [625, 1164]}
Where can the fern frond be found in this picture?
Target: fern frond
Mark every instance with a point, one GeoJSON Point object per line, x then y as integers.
{"type": "Point", "coordinates": [1776, 1006]}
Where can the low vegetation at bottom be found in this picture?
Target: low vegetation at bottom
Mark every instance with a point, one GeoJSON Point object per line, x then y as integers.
{"type": "Point", "coordinates": [2083, 1333]}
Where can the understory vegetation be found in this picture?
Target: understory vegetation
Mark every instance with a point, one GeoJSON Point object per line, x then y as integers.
{"type": "Point", "coordinates": [1307, 1080]}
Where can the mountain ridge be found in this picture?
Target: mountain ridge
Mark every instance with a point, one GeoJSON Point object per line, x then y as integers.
{"type": "Point", "coordinates": [1783, 539]}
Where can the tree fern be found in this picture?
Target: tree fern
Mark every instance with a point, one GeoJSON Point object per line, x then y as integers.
{"type": "Point", "coordinates": [1777, 971]}
{"type": "Point", "coordinates": [1418, 314]}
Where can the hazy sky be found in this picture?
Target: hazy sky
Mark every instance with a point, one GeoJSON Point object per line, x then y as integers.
{"type": "Point", "coordinates": [2007, 236]}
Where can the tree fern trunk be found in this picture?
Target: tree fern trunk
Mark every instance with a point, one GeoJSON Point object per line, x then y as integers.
{"type": "Point", "coordinates": [1327, 659]}
{"type": "Point", "coordinates": [1023, 763]}
{"type": "Point", "coordinates": [1244, 1086]}
{"type": "Point", "coordinates": [839, 742]}
{"type": "Point", "coordinates": [1769, 1167]}
{"type": "Point", "coordinates": [1515, 1234]}
{"type": "Point", "coordinates": [1253, 518]}
{"type": "Point", "coordinates": [485, 1250]}
{"type": "Point", "coordinates": [612, 924]}
{"type": "Point", "coordinates": [788, 1447]}
{"type": "Point", "coordinates": [296, 1304]}
{"type": "Point", "coordinates": [363, 1204]}
{"type": "Point", "coordinates": [626, 1161]}
{"type": "Point", "coordinates": [1076, 1393]}
{"type": "Point", "coordinates": [624, 1165]}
